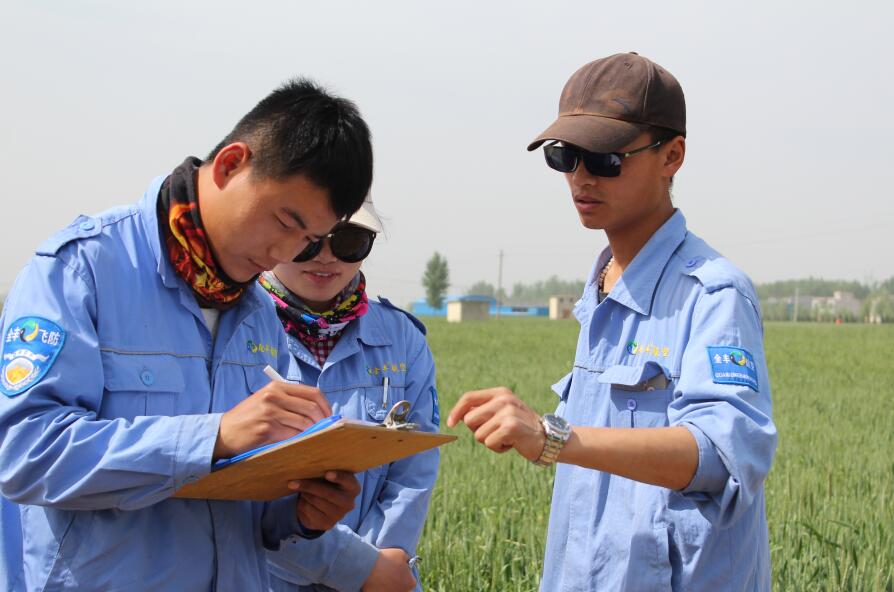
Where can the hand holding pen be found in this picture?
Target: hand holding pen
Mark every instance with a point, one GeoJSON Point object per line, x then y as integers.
{"type": "Point", "coordinates": [278, 411]}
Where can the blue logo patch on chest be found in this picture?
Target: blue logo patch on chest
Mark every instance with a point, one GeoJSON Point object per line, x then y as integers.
{"type": "Point", "coordinates": [30, 347]}
{"type": "Point", "coordinates": [733, 365]}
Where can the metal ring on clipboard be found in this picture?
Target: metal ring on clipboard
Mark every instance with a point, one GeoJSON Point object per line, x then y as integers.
{"type": "Point", "coordinates": [397, 417]}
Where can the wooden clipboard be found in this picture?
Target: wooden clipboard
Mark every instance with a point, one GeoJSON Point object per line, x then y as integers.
{"type": "Point", "coordinates": [345, 445]}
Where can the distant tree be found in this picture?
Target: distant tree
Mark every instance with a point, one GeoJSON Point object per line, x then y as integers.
{"type": "Point", "coordinates": [436, 280]}
{"type": "Point", "coordinates": [538, 293]}
{"type": "Point", "coordinates": [811, 287]}
{"type": "Point", "coordinates": [482, 288]}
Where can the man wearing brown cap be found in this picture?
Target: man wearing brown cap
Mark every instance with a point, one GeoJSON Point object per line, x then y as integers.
{"type": "Point", "coordinates": [663, 434]}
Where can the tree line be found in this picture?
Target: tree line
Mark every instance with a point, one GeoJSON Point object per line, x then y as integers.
{"type": "Point", "coordinates": [780, 301]}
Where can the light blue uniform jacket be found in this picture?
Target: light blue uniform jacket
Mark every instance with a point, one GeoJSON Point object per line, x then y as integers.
{"type": "Point", "coordinates": [683, 311]}
{"type": "Point", "coordinates": [393, 503]}
{"type": "Point", "coordinates": [129, 412]}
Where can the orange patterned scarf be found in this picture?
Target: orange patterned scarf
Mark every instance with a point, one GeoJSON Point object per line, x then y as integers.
{"type": "Point", "coordinates": [186, 241]}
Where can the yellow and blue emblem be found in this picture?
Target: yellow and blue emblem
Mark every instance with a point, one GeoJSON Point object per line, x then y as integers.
{"type": "Point", "coordinates": [733, 365]}
{"type": "Point", "coordinates": [30, 347]}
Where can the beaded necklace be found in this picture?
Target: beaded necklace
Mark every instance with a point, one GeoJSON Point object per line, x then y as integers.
{"type": "Point", "coordinates": [600, 281]}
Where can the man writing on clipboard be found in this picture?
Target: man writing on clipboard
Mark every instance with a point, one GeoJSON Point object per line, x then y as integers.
{"type": "Point", "coordinates": [133, 351]}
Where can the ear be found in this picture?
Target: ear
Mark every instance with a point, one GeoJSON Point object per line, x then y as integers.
{"type": "Point", "coordinates": [231, 159]}
{"type": "Point", "coordinates": [674, 153]}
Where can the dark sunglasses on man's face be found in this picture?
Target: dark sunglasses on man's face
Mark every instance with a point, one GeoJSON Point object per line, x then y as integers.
{"type": "Point", "coordinates": [599, 164]}
{"type": "Point", "coordinates": [348, 243]}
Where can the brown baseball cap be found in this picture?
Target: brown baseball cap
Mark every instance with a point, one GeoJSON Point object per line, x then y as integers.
{"type": "Point", "coordinates": [609, 102]}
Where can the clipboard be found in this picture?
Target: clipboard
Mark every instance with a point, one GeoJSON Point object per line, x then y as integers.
{"type": "Point", "coordinates": [334, 443]}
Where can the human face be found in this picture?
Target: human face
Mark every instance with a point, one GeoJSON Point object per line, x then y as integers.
{"type": "Point", "coordinates": [317, 282]}
{"type": "Point", "coordinates": [254, 224]}
{"type": "Point", "coordinates": [638, 196]}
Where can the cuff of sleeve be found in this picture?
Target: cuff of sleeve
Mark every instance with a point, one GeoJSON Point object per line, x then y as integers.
{"type": "Point", "coordinates": [711, 475]}
{"type": "Point", "coordinates": [194, 450]}
{"type": "Point", "coordinates": [353, 565]}
{"type": "Point", "coordinates": [308, 533]}
{"type": "Point", "coordinates": [280, 522]}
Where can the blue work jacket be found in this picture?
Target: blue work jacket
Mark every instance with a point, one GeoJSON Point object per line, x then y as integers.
{"type": "Point", "coordinates": [677, 342]}
{"type": "Point", "coordinates": [393, 502]}
{"type": "Point", "coordinates": [11, 569]}
{"type": "Point", "coordinates": [121, 408]}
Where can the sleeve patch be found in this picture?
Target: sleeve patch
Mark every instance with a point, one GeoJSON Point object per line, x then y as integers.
{"type": "Point", "coordinates": [30, 347]}
{"type": "Point", "coordinates": [733, 365]}
{"type": "Point", "coordinates": [435, 410]}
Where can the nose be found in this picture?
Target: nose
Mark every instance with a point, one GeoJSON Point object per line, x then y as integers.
{"type": "Point", "coordinates": [581, 177]}
{"type": "Point", "coordinates": [325, 255]}
{"type": "Point", "coordinates": [283, 251]}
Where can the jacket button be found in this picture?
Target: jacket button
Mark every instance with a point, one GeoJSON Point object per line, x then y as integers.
{"type": "Point", "coordinates": [631, 404]}
{"type": "Point", "coordinates": [694, 261]}
{"type": "Point", "coordinates": [87, 225]}
{"type": "Point", "coordinates": [147, 378]}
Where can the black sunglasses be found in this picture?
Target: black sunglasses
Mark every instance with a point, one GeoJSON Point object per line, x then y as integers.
{"type": "Point", "coordinates": [348, 243]}
{"type": "Point", "coordinates": [599, 164]}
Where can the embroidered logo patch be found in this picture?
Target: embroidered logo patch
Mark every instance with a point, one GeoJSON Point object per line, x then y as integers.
{"type": "Point", "coordinates": [262, 348]}
{"type": "Point", "coordinates": [733, 365]}
{"type": "Point", "coordinates": [29, 349]}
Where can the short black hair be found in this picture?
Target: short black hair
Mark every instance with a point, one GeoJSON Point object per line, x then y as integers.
{"type": "Point", "coordinates": [663, 134]}
{"type": "Point", "coordinates": [300, 128]}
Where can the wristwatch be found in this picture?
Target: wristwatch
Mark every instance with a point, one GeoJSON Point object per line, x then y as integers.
{"type": "Point", "coordinates": [557, 432]}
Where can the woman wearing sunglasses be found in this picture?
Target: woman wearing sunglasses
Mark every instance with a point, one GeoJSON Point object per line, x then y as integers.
{"type": "Point", "coordinates": [365, 356]}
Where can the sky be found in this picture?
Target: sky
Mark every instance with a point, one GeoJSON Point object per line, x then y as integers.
{"type": "Point", "coordinates": [790, 110]}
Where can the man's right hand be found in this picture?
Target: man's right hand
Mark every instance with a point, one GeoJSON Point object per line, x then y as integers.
{"type": "Point", "coordinates": [276, 412]}
{"type": "Point", "coordinates": [390, 573]}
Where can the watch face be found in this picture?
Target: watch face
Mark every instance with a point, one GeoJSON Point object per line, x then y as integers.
{"type": "Point", "coordinates": [557, 423]}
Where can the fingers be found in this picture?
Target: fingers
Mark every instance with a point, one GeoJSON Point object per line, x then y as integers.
{"type": "Point", "coordinates": [503, 424]}
{"type": "Point", "coordinates": [339, 486]}
{"type": "Point", "coordinates": [312, 518]}
{"type": "Point", "coordinates": [297, 408]}
{"type": "Point", "coordinates": [344, 479]}
{"type": "Point", "coordinates": [473, 399]}
{"type": "Point", "coordinates": [307, 393]}
{"type": "Point", "coordinates": [326, 507]}
{"type": "Point", "coordinates": [500, 439]}
{"type": "Point", "coordinates": [323, 502]}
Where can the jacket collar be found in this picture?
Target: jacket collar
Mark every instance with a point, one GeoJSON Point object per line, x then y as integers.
{"type": "Point", "coordinates": [149, 213]}
{"type": "Point", "coordinates": [636, 287]}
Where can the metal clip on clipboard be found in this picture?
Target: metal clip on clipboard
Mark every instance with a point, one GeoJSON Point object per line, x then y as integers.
{"type": "Point", "coordinates": [397, 418]}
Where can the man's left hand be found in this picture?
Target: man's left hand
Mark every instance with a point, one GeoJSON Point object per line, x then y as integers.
{"type": "Point", "coordinates": [500, 421]}
{"type": "Point", "coordinates": [323, 502]}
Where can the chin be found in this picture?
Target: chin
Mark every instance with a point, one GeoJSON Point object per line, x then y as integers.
{"type": "Point", "coordinates": [592, 223]}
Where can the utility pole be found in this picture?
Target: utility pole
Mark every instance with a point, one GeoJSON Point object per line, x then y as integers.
{"type": "Point", "coordinates": [500, 285]}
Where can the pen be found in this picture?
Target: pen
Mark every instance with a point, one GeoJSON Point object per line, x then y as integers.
{"type": "Point", "coordinates": [385, 393]}
{"type": "Point", "coordinates": [273, 374]}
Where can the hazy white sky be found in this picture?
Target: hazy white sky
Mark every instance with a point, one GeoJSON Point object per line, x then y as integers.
{"type": "Point", "coordinates": [791, 117]}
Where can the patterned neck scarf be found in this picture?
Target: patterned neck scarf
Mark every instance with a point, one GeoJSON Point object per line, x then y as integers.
{"type": "Point", "coordinates": [319, 332]}
{"type": "Point", "coordinates": [187, 244]}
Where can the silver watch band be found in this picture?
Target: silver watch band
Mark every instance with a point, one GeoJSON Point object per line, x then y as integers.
{"type": "Point", "coordinates": [555, 438]}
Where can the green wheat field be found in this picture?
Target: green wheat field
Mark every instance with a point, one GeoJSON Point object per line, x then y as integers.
{"type": "Point", "coordinates": [830, 493]}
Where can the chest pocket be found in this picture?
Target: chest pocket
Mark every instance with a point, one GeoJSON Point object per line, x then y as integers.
{"type": "Point", "coordinates": [140, 384]}
{"type": "Point", "coordinates": [376, 402]}
{"type": "Point", "coordinates": [640, 395]}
